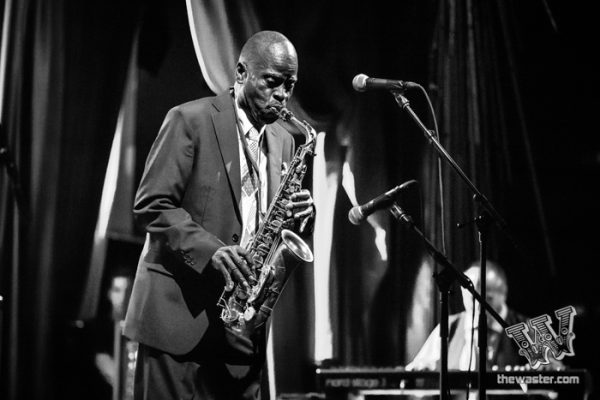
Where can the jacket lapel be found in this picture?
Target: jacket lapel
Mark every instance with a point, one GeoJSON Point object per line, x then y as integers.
{"type": "Point", "coordinates": [224, 121]}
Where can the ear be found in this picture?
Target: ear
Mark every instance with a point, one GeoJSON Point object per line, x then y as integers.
{"type": "Point", "coordinates": [241, 72]}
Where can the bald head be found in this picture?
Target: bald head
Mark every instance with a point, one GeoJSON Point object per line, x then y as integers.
{"type": "Point", "coordinates": [264, 45]}
{"type": "Point", "coordinates": [495, 278]}
{"type": "Point", "coordinates": [495, 281]}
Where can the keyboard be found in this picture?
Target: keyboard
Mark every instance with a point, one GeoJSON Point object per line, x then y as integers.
{"type": "Point", "coordinates": [564, 384]}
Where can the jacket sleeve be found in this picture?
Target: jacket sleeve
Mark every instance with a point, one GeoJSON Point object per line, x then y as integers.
{"type": "Point", "coordinates": [157, 206]}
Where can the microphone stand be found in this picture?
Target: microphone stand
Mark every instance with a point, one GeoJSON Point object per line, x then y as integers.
{"type": "Point", "coordinates": [482, 223]}
{"type": "Point", "coordinates": [487, 212]}
{"type": "Point", "coordinates": [10, 326]}
{"type": "Point", "coordinates": [444, 278]}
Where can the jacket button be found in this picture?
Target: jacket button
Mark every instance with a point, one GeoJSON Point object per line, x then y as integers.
{"type": "Point", "coordinates": [235, 238]}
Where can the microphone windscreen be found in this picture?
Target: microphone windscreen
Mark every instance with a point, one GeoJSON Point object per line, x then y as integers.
{"type": "Point", "coordinates": [355, 215]}
{"type": "Point", "coordinates": [359, 83]}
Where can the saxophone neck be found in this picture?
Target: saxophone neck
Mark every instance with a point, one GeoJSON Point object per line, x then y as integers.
{"type": "Point", "coordinates": [309, 132]}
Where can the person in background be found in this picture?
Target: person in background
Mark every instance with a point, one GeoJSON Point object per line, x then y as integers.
{"type": "Point", "coordinates": [462, 330]}
{"type": "Point", "coordinates": [112, 351]}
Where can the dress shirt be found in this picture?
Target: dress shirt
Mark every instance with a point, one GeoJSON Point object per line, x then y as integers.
{"type": "Point", "coordinates": [245, 125]}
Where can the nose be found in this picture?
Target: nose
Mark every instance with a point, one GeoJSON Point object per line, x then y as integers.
{"type": "Point", "coordinates": [281, 94]}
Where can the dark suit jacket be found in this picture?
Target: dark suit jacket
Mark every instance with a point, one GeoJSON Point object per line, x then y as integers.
{"type": "Point", "coordinates": [188, 203]}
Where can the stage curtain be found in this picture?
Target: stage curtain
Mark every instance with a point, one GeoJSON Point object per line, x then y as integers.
{"type": "Point", "coordinates": [66, 68]}
{"type": "Point", "coordinates": [478, 103]}
{"type": "Point", "coordinates": [219, 29]}
{"type": "Point", "coordinates": [65, 75]}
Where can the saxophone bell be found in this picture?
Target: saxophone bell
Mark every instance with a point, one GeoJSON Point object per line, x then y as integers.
{"type": "Point", "coordinates": [296, 246]}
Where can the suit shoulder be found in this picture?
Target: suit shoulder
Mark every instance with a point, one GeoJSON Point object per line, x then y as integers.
{"type": "Point", "coordinates": [194, 107]}
{"type": "Point", "coordinates": [279, 127]}
{"type": "Point", "coordinates": [203, 106]}
{"type": "Point", "coordinates": [281, 131]}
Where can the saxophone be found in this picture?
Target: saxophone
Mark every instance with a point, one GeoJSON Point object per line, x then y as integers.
{"type": "Point", "coordinates": [245, 309]}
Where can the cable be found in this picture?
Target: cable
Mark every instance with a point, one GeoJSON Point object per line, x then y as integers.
{"type": "Point", "coordinates": [471, 347]}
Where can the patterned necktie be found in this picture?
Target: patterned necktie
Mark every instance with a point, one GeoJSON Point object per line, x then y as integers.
{"type": "Point", "coordinates": [250, 184]}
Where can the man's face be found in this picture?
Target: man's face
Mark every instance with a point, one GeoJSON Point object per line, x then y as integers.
{"type": "Point", "coordinates": [267, 83]}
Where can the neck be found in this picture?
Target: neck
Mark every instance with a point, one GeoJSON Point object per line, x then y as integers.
{"type": "Point", "coordinates": [242, 104]}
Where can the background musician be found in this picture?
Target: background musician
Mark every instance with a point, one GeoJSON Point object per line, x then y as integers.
{"type": "Point", "coordinates": [462, 340]}
{"type": "Point", "coordinates": [112, 352]}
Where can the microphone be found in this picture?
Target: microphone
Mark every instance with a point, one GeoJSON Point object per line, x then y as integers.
{"type": "Point", "coordinates": [358, 214]}
{"type": "Point", "coordinates": [362, 83]}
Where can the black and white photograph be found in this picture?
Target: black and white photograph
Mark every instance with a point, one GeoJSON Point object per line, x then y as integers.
{"type": "Point", "coordinates": [299, 200]}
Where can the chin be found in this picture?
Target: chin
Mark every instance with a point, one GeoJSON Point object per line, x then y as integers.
{"type": "Point", "coordinates": [269, 117]}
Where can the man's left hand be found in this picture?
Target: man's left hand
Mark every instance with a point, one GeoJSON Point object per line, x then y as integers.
{"type": "Point", "coordinates": [301, 208]}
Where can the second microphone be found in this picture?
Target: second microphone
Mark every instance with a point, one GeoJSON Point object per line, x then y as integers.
{"type": "Point", "coordinates": [358, 214]}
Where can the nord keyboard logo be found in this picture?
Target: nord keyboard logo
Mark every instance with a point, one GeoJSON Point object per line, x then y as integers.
{"type": "Point", "coordinates": [537, 339]}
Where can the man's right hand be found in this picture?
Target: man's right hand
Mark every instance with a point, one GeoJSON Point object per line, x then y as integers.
{"type": "Point", "coordinates": [233, 263]}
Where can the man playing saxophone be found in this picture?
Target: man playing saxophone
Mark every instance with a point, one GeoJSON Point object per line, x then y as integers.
{"type": "Point", "coordinates": [211, 174]}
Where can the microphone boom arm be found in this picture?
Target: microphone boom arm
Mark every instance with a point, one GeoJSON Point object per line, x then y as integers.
{"type": "Point", "coordinates": [449, 268]}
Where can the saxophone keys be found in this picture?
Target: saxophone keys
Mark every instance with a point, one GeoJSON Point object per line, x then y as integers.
{"type": "Point", "coordinates": [229, 316]}
{"type": "Point", "coordinates": [257, 259]}
{"type": "Point", "coordinates": [262, 249]}
{"type": "Point", "coordinates": [249, 313]}
{"type": "Point", "coordinates": [240, 294]}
